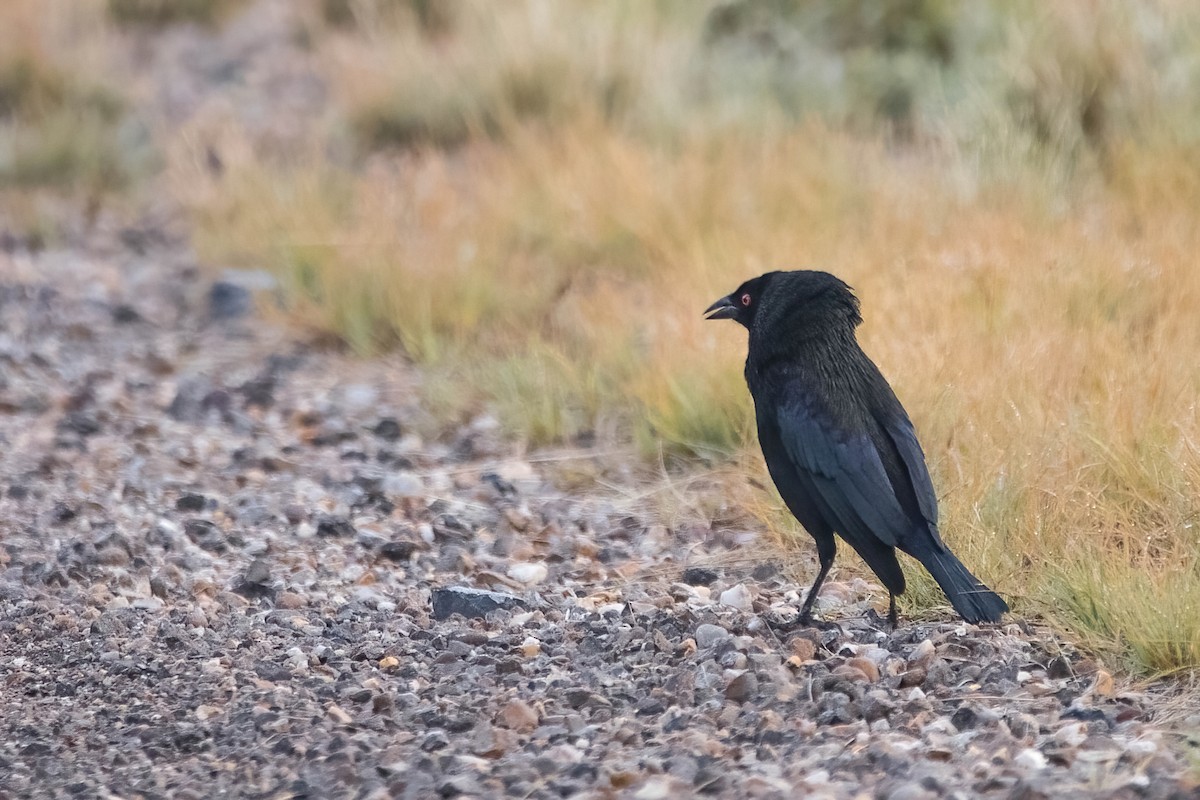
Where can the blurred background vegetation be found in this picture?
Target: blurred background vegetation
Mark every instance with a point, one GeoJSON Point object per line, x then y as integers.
{"type": "Point", "coordinates": [534, 200]}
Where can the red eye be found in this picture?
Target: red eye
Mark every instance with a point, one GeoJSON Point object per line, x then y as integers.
{"type": "Point", "coordinates": [746, 299]}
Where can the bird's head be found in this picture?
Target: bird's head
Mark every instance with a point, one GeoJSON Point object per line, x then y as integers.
{"type": "Point", "coordinates": [798, 301]}
{"type": "Point", "coordinates": [741, 304]}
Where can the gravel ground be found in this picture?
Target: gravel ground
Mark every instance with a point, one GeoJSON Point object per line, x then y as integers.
{"type": "Point", "coordinates": [230, 567]}
{"type": "Point", "coordinates": [233, 565]}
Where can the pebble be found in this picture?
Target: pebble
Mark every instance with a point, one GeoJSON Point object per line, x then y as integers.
{"type": "Point", "coordinates": [866, 666]}
{"type": "Point", "coordinates": [519, 716]}
{"type": "Point", "coordinates": [1030, 759]}
{"type": "Point", "coordinates": [741, 686]}
{"type": "Point", "coordinates": [528, 573]}
{"type": "Point", "coordinates": [207, 712]}
{"type": "Point", "coordinates": [291, 600]}
{"type": "Point", "coordinates": [922, 654]}
{"type": "Point", "coordinates": [738, 597]}
{"type": "Point", "coordinates": [708, 635]}
{"type": "Point", "coordinates": [471, 602]}
{"type": "Point", "coordinates": [1071, 735]}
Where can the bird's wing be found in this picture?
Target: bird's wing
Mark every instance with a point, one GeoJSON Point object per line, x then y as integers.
{"type": "Point", "coordinates": [900, 430]}
{"type": "Point", "coordinates": [845, 470]}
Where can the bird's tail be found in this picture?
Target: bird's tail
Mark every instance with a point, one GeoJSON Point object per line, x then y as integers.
{"type": "Point", "coordinates": [971, 599]}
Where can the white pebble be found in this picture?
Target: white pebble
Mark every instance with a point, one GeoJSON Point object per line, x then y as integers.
{"type": "Point", "coordinates": [1030, 759]}
{"type": "Point", "coordinates": [738, 597]}
{"type": "Point", "coordinates": [528, 572]}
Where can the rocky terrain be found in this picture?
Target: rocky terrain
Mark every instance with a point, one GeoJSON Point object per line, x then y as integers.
{"type": "Point", "coordinates": [232, 566]}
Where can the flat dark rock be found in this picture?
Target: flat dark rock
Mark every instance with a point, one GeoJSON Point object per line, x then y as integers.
{"type": "Point", "coordinates": [471, 602]}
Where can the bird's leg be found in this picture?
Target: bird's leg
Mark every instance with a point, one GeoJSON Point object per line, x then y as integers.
{"type": "Point", "coordinates": [892, 620]}
{"type": "Point", "coordinates": [806, 609]}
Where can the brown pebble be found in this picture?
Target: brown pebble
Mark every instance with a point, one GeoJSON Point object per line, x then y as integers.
{"type": "Point", "coordinates": [518, 716]}
{"type": "Point", "coordinates": [741, 687]}
{"type": "Point", "coordinates": [913, 677]}
{"type": "Point", "coordinates": [848, 673]}
{"type": "Point", "coordinates": [291, 600]}
{"type": "Point", "coordinates": [113, 557]}
{"type": "Point", "coordinates": [339, 715]}
{"type": "Point", "coordinates": [804, 649]}
{"type": "Point", "coordinates": [1103, 685]}
{"type": "Point", "coordinates": [866, 666]}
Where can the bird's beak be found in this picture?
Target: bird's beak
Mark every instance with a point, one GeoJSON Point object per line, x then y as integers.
{"type": "Point", "coordinates": [722, 309]}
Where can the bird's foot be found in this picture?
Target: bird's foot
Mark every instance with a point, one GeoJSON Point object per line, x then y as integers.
{"type": "Point", "coordinates": [881, 622]}
{"type": "Point", "coordinates": [821, 625]}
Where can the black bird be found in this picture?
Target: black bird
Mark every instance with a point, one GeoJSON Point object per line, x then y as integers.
{"type": "Point", "coordinates": [837, 442]}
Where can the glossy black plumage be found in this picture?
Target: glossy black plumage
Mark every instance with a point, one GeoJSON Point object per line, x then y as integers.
{"type": "Point", "coordinates": [837, 442]}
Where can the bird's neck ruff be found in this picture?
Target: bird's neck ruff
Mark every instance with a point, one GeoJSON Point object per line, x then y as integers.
{"type": "Point", "coordinates": [801, 331]}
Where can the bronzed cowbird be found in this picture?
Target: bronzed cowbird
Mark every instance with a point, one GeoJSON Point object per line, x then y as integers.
{"type": "Point", "coordinates": [837, 442]}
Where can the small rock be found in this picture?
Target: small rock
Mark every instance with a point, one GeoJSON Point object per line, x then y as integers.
{"type": "Point", "coordinates": [848, 673]}
{"type": "Point", "coordinates": [1059, 668]}
{"type": "Point", "coordinates": [503, 488]}
{"type": "Point", "coordinates": [519, 716]}
{"type": "Point", "coordinates": [398, 550]}
{"type": "Point", "coordinates": [227, 300]}
{"type": "Point", "coordinates": [205, 534]}
{"type": "Point", "coordinates": [922, 654]}
{"type": "Point", "coordinates": [708, 635]}
{"type": "Point", "coordinates": [699, 576]}
{"type": "Point", "coordinates": [259, 390]}
{"type": "Point", "coordinates": [471, 602]}
{"type": "Point", "coordinates": [1103, 685]}
{"type": "Point", "coordinates": [528, 573]}
{"type": "Point", "coordinates": [913, 677]}
{"type": "Point", "coordinates": [403, 484]}
{"type": "Point", "coordinates": [125, 314]}
{"type": "Point", "coordinates": [334, 526]}
{"type": "Point", "coordinates": [741, 687]}
{"type": "Point", "coordinates": [909, 791]}
{"type": "Point", "coordinates": [1022, 726]}
{"type": "Point", "coordinates": [1071, 735]}
{"type": "Point", "coordinates": [964, 718]}
{"type": "Point", "coordinates": [206, 712]}
{"type": "Point", "coordinates": [661, 788]}
{"type": "Point", "coordinates": [338, 714]}
{"type": "Point", "coordinates": [62, 513]}
{"type": "Point", "coordinates": [291, 600]}
{"type": "Point", "coordinates": [191, 502]}
{"type": "Point", "coordinates": [738, 597]}
{"type": "Point", "coordinates": [437, 740]}
{"type": "Point", "coordinates": [877, 705]}
{"type": "Point", "coordinates": [1030, 759]}
{"type": "Point", "coordinates": [866, 666]}
{"type": "Point", "coordinates": [192, 399]}
{"type": "Point", "coordinates": [489, 742]}
{"type": "Point", "coordinates": [388, 429]}
{"type": "Point", "coordinates": [256, 582]}
{"type": "Point", "coordinates": [517, 519]}
{"type": "Point", "coordinates": [803, 648]}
